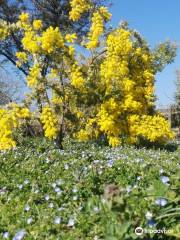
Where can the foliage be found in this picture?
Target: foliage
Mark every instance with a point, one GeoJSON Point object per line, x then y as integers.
{"type": "Point", "coordinates": [109, 94]}
{"type": "Point", "coordinates": [87, 192]}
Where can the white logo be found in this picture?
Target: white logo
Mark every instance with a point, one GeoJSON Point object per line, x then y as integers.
{"type": "Point", "coordinates": [138, 231]}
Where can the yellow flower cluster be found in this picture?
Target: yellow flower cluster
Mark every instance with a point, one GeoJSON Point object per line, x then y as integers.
{"type": "Point", "coordinates": [4, 30]}
{"type": "Point", "coordinates": [24, 17]}
{"type": "Point", "coordinates": [37, 24]}
{"type": "Point", "coordinates": [78, 7]}
{"type": "Point", "coordinates": [50, 123]}
{"type": "Point", "coordinates": [51, 40]}
{"type": "Point", "coordinates": [23, 21]}
{"type": "Point", "coordinates": [126, 77]}
{"type": "Point", "coordinates": [70, 38]}
{"type": "Point", "coordinates": [97, 28]}
{"type": "Point", "coordinates": [10, 119]}
{"type": "Point", "coordinates": [154, 128]}
{"type": "Point", "coordinates": [115, 66]}
{"type": "Point", "coordinates": [31, 42]}
{"type": "Point", "coordinates": [77, 79]}
{"type": "Point", "coordinates": [22, 58]}
{"type": "Point", "coordinates": [34, 75]}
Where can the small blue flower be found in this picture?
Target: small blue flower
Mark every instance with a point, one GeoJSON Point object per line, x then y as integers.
{"type": "Point", "coordinates": [165, 179]}
{"type": "Point", "coordinates": [6, 235]}
{"type": "Point", "coordinates": [161, 202]}
{"type": "Point", "coordinates": [27, 208]}
{"type": "Point", "coordinates": [151, 223]}
{"type": "Point", "coordinates": [19, 235]}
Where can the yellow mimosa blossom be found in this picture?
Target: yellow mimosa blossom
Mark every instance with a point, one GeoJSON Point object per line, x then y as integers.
{"type": "Point", "coordinates": [37, 24]}
{"type": "Point", "coordinates": [77, 79]}
{"type": "Point", "coordinates": [78, 7]}
{"type": "Point", "coordinates": [50, 123]}
{"type": "Point", "coordinates": [52, 40]}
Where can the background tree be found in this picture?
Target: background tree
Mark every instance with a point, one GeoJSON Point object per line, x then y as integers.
{"type": "Point", "coordinates": [9, 88]}
{"type": "Point", "coordinates": [177, 94]}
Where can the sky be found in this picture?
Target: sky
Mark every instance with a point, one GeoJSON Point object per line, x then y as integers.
{"type": "Point", "coordinates": [157, 21]}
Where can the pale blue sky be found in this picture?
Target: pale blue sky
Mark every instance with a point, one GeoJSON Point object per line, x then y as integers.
{"type": "Point", "coordinates": [157, 21]}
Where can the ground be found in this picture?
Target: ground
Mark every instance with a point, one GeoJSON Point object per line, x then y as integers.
{"type": "Point", "coordinates": [88, 191]}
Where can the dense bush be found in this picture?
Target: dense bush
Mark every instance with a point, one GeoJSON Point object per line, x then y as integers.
{"type": "Point", "coordinates": [87, 191]}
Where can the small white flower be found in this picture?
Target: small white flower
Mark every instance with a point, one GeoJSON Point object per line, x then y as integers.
{"type": "Point", "coordinates": [66, 167]}
{"type": "Point", "coordinates": [57, 189]}
{"type": "Point", "coordinates": [61, 209]}
{"type": "Point", "coordinates": [29, 220]}
{"type": "Point", "coordinates": [5, 235]}
{"type": "Point", "coordinates": [148, 215]}
{"type": "Point", "coordinates": [46, 197]}
{"type": "Point", "coordinates": [128, 189]}
{"type": "Point", "coordinates": [75, 198]}
{"type": "Point", "coordinates": [138, 178]}
{"type": "Point", "coordinates": [53, 185]}
{"type": "Point", "coordinates": [71, 222]}
{"type": "Point", "coordinates": [19, 235]}
{"type": "Point", "coordinates": [59, 182]}
{"type": "Point", "coordinates": [75, 190]}
{"type": "Point", "coordinates": [26, 181]}
{"type": "Point", "coordinates": [20, 186]}
{"type": "Point", "coordinates": [36, 191]}
{"type": "Point", "coordinates": [27, 208]}
{"type": "Point", "coordinates": [57, 220]}
{"type": "Point", "coordinates": [100, 172]}
{"type": "Point", "coordinates": [51, 205]}
{"type": "Point", "coordinates": [96, 209]}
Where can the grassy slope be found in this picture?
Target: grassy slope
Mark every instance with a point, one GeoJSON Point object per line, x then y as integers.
{"type": "Point", "coordinates": [54, 194]}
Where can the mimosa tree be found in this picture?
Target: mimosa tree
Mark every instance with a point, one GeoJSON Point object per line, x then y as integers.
{"type": "Point", "coordinates": [107, 93]}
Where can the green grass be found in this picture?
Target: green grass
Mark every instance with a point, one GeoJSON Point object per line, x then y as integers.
{"type": "Point", "coordinates": [87, 191]}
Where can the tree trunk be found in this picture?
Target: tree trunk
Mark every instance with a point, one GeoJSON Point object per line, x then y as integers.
{"type": "Point", "coordinates": [60, 138]}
